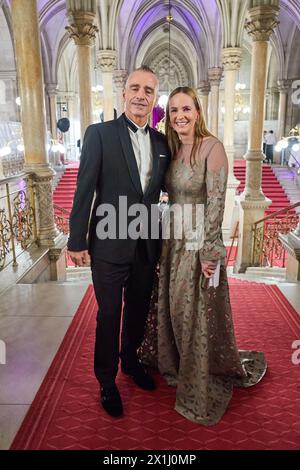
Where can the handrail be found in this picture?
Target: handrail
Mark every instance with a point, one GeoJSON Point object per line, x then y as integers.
{"type": "Point", "coordinates": [281, 211]}
{"type": "Point", "coordinates": [18, 228]}
{"type": "Point", "coordinates": [62, 219]}
{"type": "Point", "coordinates": [10, 179]}
{"type": "Point", "coordinates": [62, 209]}
{"type": "Point", "coordinates": [291, 155]}
{"type": "Point", "coordinates": [266, 246]}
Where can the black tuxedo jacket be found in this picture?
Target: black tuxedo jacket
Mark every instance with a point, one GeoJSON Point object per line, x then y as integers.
{"type": "Point", "coordinates": [107, 170]}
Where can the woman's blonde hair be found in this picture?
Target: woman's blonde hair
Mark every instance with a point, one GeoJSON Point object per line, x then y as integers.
{"type": "Point", "coordinates": [200, 126]}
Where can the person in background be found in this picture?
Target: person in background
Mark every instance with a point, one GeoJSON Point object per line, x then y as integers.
{"type": "Point", "coordinates": [264, 142]}
{"type": "Point", "coordinates": [270, 142]}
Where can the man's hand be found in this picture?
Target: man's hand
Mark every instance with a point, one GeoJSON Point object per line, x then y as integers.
{"type": "Point", "coordinates": [208, 268]}
{"type": "Point", "coordinates": [80, 258]}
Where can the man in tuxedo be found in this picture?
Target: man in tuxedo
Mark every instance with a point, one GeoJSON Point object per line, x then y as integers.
{"type": "Point", "coordinates": [125, 160]}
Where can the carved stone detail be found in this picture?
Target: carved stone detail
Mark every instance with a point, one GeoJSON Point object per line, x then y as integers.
{"type": "Point", "coordinates": [284, 85]}
{"type": "Point", "coordinates": [231, 58]}
{"type": "Point", "coordinates": [261, 22]}
{"type": "Point", "coordinates": [203, 88]}
{"type": "Point", "coordinates": [51, 89]}
{"type": "Point", "coordinates": [46, 227]}
{"type": "Point", "coordinates": [119, 78]}
{"type": "Point", "coordinates": [215, 75]}
{"type": "Point", "coordinates": [81, 27]}
{"type": "Point", "coordinates": [106, 60]}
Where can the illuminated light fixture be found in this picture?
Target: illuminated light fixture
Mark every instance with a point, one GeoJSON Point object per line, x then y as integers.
{"type": "Point", "coordinates": [97, 88]}
{"type": "Point", "coordinates": [18, 101]}
{"type": "Point", "coordinates": [5, 151]}
{"type": "Point", "coordinates": [162, 102]}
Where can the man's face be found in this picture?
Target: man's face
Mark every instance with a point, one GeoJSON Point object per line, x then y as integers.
{"type": "Point", "coordinates": [140, 95]}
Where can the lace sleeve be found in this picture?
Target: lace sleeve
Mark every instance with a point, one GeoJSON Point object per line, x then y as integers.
{"type": "Point", "coordinates": [216, 179]}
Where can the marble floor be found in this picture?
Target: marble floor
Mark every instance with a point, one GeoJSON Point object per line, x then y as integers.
{"type": "Point", "coordinates": [33, 321]}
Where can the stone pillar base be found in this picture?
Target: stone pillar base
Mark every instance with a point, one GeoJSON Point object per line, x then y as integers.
{"type": "Point", "coordinates": [250, 211]}
{"type": "Point", "coordinates": [57, 256]}
{"type": "Point", "coordinates": [46, 229]}
{"type": "Point", "coordinates": [291, 243]}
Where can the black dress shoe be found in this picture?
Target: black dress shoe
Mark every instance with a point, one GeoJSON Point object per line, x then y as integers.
{"type": "Point", "coordinates": [140, 376]}
{"type": "Point", "coordinates": [111, 400]}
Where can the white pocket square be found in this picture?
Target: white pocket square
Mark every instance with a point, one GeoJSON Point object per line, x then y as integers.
{"type": "Point", "coordinates": [163, 156]}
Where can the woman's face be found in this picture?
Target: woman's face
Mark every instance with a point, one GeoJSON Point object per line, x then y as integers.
{"type": "Point", "coordinates": [183, 114]}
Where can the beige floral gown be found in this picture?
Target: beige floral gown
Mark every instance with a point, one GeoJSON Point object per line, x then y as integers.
{"type": "Point", "coordinates": [190, 331]}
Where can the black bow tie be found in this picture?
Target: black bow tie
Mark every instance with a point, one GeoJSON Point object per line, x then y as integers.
{"type": "Point", "coordinates": [132, 126]}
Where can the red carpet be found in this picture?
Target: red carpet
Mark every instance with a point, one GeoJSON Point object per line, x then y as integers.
{"type": "Point", "coordinates": [66, 415]}
{"type": "Point", "coordinates": [64, 192]}
{"type": "Point", "coordinates": [270, 185]}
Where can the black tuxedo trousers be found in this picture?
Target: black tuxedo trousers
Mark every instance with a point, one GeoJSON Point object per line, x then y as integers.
{"type": "Point", "coordinates": [121, 285]}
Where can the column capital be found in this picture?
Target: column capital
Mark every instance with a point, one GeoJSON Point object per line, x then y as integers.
{"type": "Point", "coordinates": [51, 89]}
{"type": "Point", "coordinates": [106, 60]}
{"type": "Point", "coordinates": [203, 87]}
{"type": "Point", "coordinates": [261, 22]}
{"type": "Point", "coordinates": [231, 58]}
{"type": "Point", "coordinates": [284, 85]}
{"type": "Point", "coordinates": [81, 27]}
{"type": "Point", "coordinates": [119, 78]}
{"type": "Point", "coordinates": [215, 75]}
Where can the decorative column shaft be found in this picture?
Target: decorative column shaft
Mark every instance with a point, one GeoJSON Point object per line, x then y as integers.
{"type": "Point", "coordinates": [203, 92]}
{"type": "Point", "coordinates": [260, 24]}
{"type": "Point", "coordinates": [31, 87]}
{"type": "Point", "coordinates": [262, 20]}
{"type": "Point", "coordinates": [106, 59]}
{"type": "Point", "coordinates": [51, 90]}
{"type": "Point", "coordinates": [82, 29]}
{"type": "Point", "coordinates": [214, 77]}
{"type": "Point", "coordinates": [283, 86]}
{"type": "Point", "coordinates": [231, 59]}
{"type": "Point", "coordinates": [119, 78]}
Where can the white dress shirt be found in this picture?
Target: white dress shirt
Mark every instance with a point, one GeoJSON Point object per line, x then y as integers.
{"type": "Point", "coordinates": [141, 144]}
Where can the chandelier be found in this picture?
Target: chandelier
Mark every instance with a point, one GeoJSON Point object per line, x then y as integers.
{"type": "Point", "coordinates": [290, 148]}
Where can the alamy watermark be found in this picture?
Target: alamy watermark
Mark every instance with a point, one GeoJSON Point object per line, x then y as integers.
{"type": "Point", "coordinates": [133, 221]}
{"type": "Point", "coordinates": [296, 93]}
{"type": "Point", "coordinates": [2, 352]}
{"type": "Point", "coordinates": [296, 353]}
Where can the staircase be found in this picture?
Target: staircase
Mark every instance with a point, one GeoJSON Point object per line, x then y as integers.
{"type": "Point", "coordinates": [290, 181]}
{"type": "Point", "coordinates": [270, 185]}
{"type": "Point", "coordinates": [64, 192]}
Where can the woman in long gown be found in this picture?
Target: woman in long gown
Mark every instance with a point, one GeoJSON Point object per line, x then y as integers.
{"type": "Point", "coordinates": [197, 351]}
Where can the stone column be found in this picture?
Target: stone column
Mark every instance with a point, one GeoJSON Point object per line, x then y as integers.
{"type": "Point", "coordinates": [71, 98]}
{"type": "Point", "coordinates": [82, 29]}
{"type": "Point", "coordinates": [214, 77]}
{"type": "Point", "coordinates": [260, 24]}
{"type": "Point", "coordinates": [203, 92]}
{"type": "Point", "coordinates": [231, 59]}
{"type": "Point", "coordinates": [33, 117]}
{"type": "Point", "coordinates": [106, 59]}
{"type": "Point", "coordinates": [283, 86]}
{"type": "Point", "coordinates": [51, 90]}
{"type": "Point", "coordinates": [119, 78]}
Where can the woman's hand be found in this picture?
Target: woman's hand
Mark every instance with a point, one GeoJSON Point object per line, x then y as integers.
{"type": "Point", "coordinates": [208, 268]}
